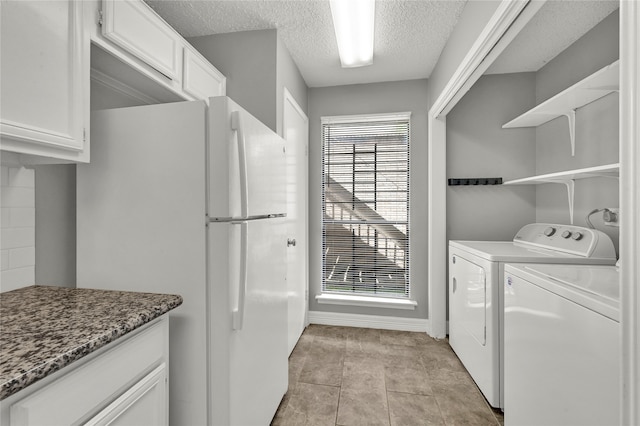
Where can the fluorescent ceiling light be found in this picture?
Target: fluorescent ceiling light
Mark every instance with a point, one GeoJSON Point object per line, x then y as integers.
{"type": "Point", "coordinates": [353, 22]}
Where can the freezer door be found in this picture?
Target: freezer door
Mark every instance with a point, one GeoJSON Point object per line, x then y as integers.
{"type": "Point", "coordinates": [248, 320]}
{"type": "Point", "coordinates": [247, 169]}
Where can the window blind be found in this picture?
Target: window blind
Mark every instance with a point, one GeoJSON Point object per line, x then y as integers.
{"type": "Point", "coordinates": [365, 203]}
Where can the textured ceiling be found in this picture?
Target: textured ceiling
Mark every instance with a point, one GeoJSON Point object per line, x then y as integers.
{"type": "Point", "coordinates": [554, 28]}
{"type": "Point", "coordinates": [409, 34]}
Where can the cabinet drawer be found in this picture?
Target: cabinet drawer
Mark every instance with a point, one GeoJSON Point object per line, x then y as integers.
{"type": "Point", "coordinates": [133, 26]}
{"type": "Point", "coordinates": [201, 79]}
{"type": "Point", "coordinates": [145, 403]}
{"type": "Point", "coordinates": [85, 390]}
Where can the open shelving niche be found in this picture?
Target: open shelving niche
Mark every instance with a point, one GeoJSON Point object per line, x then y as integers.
{"type": "Point", "coordinates": [569, 177]}
{"type": "Point", "coordinates": [565, 103]}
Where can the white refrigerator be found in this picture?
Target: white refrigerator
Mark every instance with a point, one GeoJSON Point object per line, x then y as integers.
{"type": "Point", "coordinates": [190, 199]}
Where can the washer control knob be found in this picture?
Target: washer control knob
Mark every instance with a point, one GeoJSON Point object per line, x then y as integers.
{"type": "Point", "coordinates": [566, 234]}
{"type": "Point", "coordinates": [549, 231]}
{"type": "Point", "coordinates": [577, 236]}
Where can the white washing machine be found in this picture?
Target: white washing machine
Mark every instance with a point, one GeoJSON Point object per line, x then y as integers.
{"type": "Point", "coordinates": [562, 345]}
{"type": "Point", "coordinates": [476, 273]}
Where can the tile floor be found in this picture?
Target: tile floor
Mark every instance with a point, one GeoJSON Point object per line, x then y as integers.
{"type": "Point", "coordinates": [359, 376]}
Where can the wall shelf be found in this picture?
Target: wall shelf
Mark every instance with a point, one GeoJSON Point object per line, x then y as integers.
{"type": "Point", "coordinates": [568, 179]}
{"type": "Point", "coordinates": [565, 103]}
{"type": "Point", "coordinates": [608, 170]}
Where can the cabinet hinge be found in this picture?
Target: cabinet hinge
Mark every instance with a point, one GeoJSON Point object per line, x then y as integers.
{"type": "Point", "coordinates": [84, 134]}
{"type": "Point", "coordinates": [100, 17]}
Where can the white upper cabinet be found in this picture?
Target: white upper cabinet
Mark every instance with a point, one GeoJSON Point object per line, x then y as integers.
{"type": "Point", "coordinates": [133, 34]}
{"type": "Point", "coordinates": [133, 26]}
{"type": "Point", "coordinates": [51, 48]}
{"type": "Point", "coordinates": [201, 79]}
{"type": "Point", "coordinates": [44, 102]}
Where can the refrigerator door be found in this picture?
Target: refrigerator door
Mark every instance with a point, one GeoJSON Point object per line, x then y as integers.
{"type": "Point", "coordinates": [247, 169]}
{"type": "Point", "coordinates": [140, 221]}
{"type": "Point", "coordinates": [249, 373]}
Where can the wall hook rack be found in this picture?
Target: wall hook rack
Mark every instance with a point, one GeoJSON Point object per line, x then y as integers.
{"type": "Point", "coordinates": [475, 181]}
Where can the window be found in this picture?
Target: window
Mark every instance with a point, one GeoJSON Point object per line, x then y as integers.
{"type": "Point", "coordinates": [365, 203]}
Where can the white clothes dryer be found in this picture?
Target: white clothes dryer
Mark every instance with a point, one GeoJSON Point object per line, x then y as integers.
{"type": "Point", "coordinates": [476, 293]}
{"type": "Point", "coordinates": [562, 345]}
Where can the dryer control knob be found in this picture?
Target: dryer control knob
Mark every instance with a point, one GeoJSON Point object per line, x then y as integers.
{"type": "Point", "coordinates": [577, 236]}
{"type": "Point", "coordinates": [566, 234]}
{"type": "Point", "coordinates": [549, 231]}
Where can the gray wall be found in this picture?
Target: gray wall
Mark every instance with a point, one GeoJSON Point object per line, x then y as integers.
{"type": "Point", "coordinates": [55, 189]}
{"type": "Point", "coordinates": [597, 48]}
{"type": "Point", "coordinates": [477, 146]}
{"type": "Point", "coordinates": [248, 60]}
{"type": "Point", "coordinates": [258, 66]}
{"type": "Point", "coordinates": [597, 128]}
{"type": "Point", "coordinates": [369, 99]}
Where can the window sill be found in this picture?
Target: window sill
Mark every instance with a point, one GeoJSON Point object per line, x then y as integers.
{"type": "Point", "coordinates": [372, 302]}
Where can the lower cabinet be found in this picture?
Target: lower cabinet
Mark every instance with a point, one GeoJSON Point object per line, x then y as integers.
{"type": "Point", "coordinates": [144, 403]}
{"type": "Point", "coordinates": [124, 383]}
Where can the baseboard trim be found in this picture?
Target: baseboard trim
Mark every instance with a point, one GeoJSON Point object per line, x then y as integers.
{"type": "Point", "coordinates": [368, 321]}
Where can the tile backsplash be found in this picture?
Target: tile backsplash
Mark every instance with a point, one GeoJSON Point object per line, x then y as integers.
{"type": "Point", "coordinates": [17, 242]}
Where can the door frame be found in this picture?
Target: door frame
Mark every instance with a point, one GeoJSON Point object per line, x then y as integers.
{"type": "Point", "coordinates": [288, 97]}
{"type": "Point", "coordinates": [507, 21]}
{"type": "Point", "coordinates": [630, 208]}
{"type": "Point", "coordinates": [505, 24]}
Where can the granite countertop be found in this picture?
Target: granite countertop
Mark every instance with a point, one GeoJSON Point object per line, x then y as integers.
{"type": "Point", "coordinates": [43, 328]}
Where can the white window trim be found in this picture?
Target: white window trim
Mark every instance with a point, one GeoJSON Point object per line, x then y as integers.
{"type": "Point", "coordinates": [365, 118]}
{"type": "Point", "coordinates": [358, 300]}
{"type": "Point", "coordinates": [372, 302]}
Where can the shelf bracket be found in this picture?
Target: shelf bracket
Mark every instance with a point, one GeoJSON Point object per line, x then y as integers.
{"type": "Point", "coordinates": [571, 117]}
{"type": "Point", "coordinates": [570, 184]}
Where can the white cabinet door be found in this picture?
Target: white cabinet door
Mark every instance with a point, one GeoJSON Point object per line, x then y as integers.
{"type": "Point", "coordinates": [468, 299]}
{"type": "Point", "coordinates": [135, 27]}
{"type": "Point", "coordinates": [42, 76]}
{"type": "Point", "coordinates": [201, 79]}
{"type": "Point", "coordinates": [145, 403]}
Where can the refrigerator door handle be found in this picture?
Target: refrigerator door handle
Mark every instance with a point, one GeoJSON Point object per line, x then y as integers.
{"type": "Point", "coordinates": [238, 313]}
{"type": "Point", "coordinates": [236, 124]}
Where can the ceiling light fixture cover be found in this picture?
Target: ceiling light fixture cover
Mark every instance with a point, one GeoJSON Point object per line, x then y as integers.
{"type": "Point", "coordinates": [353, 22]}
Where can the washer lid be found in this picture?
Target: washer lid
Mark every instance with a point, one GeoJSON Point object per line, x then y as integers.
{"type": "Point", "coordinates": [509, 251]}
{"type": "Point", "coordinates": [596, 287]}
